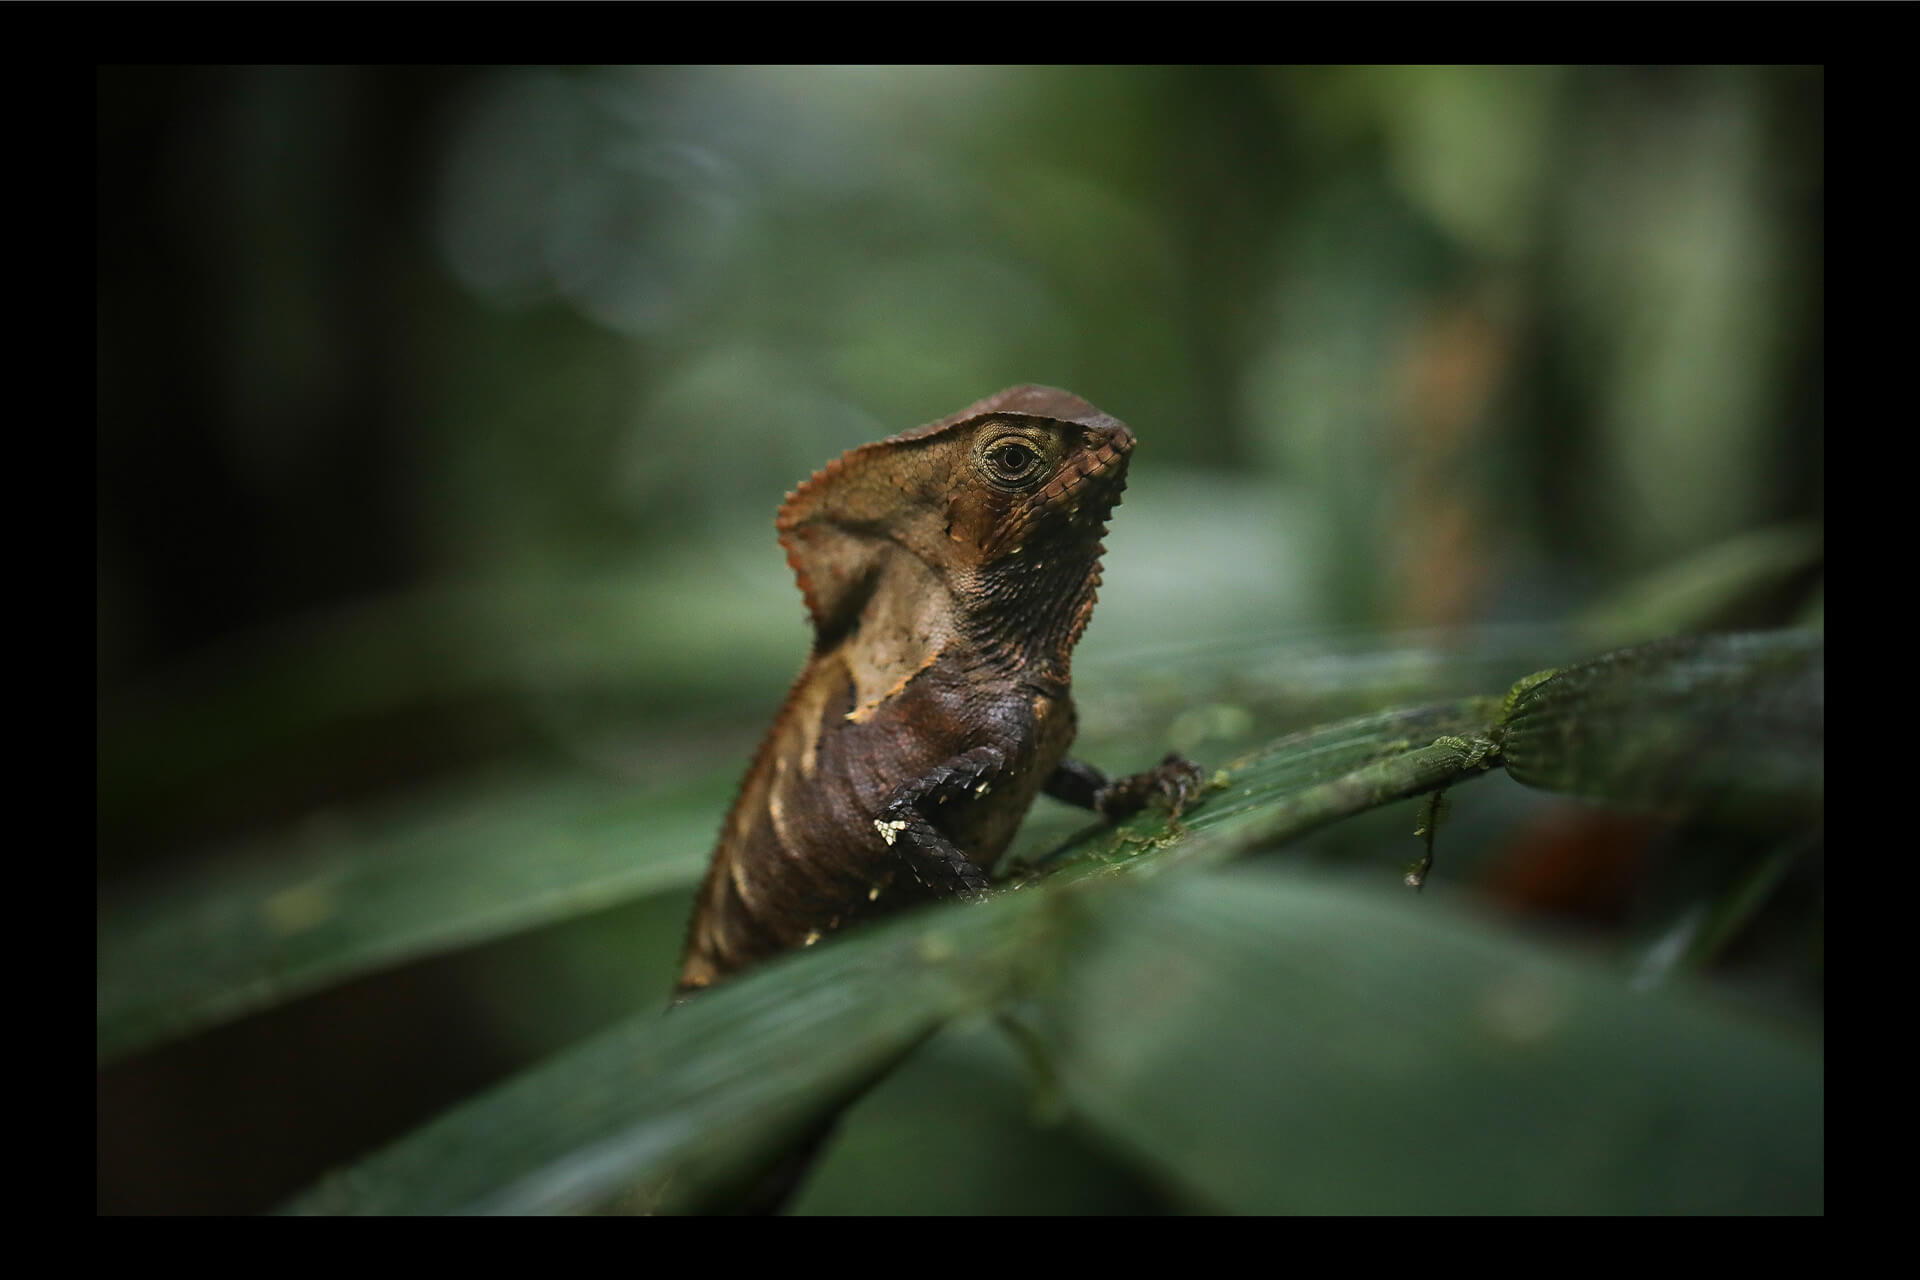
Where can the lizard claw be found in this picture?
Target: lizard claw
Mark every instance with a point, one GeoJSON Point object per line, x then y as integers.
{"type": "Point", "coordinates": [1178, 781]}
{"type": "Point", "coordinates": [1173, 784]}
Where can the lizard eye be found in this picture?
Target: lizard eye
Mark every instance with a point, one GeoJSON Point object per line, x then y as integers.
{"type": "Point", "coordinates": [1012, 461]}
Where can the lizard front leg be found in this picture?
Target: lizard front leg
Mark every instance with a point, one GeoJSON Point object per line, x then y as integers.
{"type": "Point", "coordinates": [1176, 780]}
{"type": "Point", "coordinates": [903, 823]}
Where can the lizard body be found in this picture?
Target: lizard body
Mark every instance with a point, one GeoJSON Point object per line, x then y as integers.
{"type": "Point", "coordinates": [948, 573]}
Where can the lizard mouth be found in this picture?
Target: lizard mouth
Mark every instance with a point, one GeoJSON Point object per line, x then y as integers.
{"type": "Point", "coordinates": [1100, 468]}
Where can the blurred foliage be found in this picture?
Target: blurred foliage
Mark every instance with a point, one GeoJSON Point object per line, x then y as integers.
{"type": "Point", "coordinates": [442, 414]}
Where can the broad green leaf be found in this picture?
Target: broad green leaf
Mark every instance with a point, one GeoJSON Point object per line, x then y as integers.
{"type": "Point", "coordinates": [664, 1110]}
{"type": "Point", "coordinates": [1304, 781]}
{"type": "Point", "coordinates": [1731, 727]}
{"type": "Point", "coordinates": [282, 921]}
{"type": "Point", "coordinates": [968, 1124]}
{"type": "Point", "coordinates": [279, 921]}
{"type": "Point", "coordinates": [285, 918]}
{"type": "Point", "coordinates": [1269, 1043]}
{"type": "Point", "coordinates": [1257, 1041]}
{"type": "Point", "coordinates": [760, 1059]}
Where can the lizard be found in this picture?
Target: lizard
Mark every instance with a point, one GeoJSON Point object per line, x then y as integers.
{"type": "Point", "coordinates": [948, 572]}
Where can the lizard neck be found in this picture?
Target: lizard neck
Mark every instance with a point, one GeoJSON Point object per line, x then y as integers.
{"type": "Point", "coordinates": [1025, 613]}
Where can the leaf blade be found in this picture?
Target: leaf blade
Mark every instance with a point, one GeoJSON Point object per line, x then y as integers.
{"type": "Point", "coordinates": [1729, 726]}
{"type": "Point", "coordinates": [1274, 1044]}
{"type": "Point", "coordinates": [283, 919]}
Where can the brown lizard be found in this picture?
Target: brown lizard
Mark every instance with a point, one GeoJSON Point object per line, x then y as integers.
{"type": "Point", "coordinates": [948, 572]}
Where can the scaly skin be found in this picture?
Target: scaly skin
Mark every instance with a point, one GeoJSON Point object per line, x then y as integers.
{"type": "Point", "coordinates": [948, 572]}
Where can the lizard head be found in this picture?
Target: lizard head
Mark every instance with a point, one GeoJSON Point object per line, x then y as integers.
{"type": "Point", "coordinates": [1002, 505]}
{"type": "Point", "coordinates": [1041, 471]}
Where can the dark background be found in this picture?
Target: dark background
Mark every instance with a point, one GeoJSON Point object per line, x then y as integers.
{"type": "Point", "coordinates": [442, 414]}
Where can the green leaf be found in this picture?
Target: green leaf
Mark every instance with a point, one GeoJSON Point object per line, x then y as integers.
{"type": "Point", "coordinates": [875, 994]}
{"type": "Point", "coordinates": [278, 921]}
{"type": "Point", "coordinates": [1209, 1030]}
{"type": "Point", "coordinates": [1266, 1043]}
{"type": "Point", "coordinates": [666, 1111]}
{"type": "Point", "coordinates": [1257, 1042]}
{"type": "Point", "coordinates": [1728, 727]}
{"type": "Point", "coordinates": [1737, 719]}
{"type": "Point", "coordinates": [284, 918]}
{"type": "Point", "coordinates": [1429, 1061]}
{"type": "Point", "coordinates": [1302, 782]}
